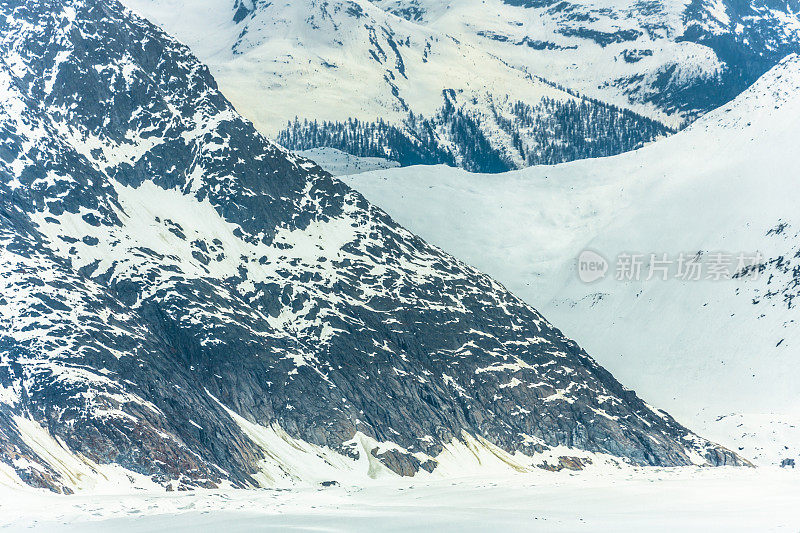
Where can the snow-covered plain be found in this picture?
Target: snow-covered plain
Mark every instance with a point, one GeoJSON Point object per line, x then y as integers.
{"type": "Point", "coordinates": [653, 500]}
{"type": "Point", "coordinates": [719, 355]}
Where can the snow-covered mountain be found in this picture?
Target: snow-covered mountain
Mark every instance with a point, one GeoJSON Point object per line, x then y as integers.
{"type": "Point", "coordinates": [186, 303]}
{"type": "Point", "coordinates": [464, 83]}
{"type": "Point", "coordinates": [671, 59]}
{"type": "Point", "coordinates": [420, 95]}
{"type": "Point", "coordinates": [720, 354]}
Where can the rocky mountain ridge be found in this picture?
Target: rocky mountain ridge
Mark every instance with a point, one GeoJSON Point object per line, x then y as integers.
{"type": "Point", "coordinates": [712, 347]}
{"type": "Point", "coordinates": [182, 298]}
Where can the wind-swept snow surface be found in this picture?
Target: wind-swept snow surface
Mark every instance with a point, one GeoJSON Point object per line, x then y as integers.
{"type": "Point", "coordinates": [721, 355]}
{"type": "Point", "coordinates": [654, 501]}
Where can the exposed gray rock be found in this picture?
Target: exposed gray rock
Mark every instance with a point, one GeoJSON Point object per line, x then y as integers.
{"type": "Point", "coordinates": [160, 259]}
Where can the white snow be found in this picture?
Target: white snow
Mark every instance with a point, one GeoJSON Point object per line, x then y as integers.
{"type": "Point", "coordinates": [686, 500]}
{"type": "Point", "coordinates": [341, 163]}
{"type": "Point", "coordinates": [580, 62]}
{"type": "Point", "coordinates": [317, 60]}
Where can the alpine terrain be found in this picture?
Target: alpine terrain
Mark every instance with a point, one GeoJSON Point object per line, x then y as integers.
{"type": "Point", "coordinates": [713, 209]}
{"type": "Point", "coordinates": [187, 304]}
{"type": "Point", "coordinates": [487, 85]}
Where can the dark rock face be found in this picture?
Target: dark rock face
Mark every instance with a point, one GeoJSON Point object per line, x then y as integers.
{"type": "Point", "coordinates": [242, 9]}
{"type": "Point", "coordinates": [160, 259]}
{"type": "Point", "coordinates": [566, 463]}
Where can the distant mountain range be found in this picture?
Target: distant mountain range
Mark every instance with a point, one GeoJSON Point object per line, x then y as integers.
{"type": "Point", "coordinates": [187, 304]}
{"type": "Point", "coordinates": [670, 59]}
{"type": "Point", "coordinates": [485, 85]}
{"type": "Point", "coordinates": [351, 76]}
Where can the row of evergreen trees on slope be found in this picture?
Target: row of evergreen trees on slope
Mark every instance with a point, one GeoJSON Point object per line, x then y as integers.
{"type": "Point", "coordinates": [554, 131]}
{"type": "Point", "coordinates": [508, 137]}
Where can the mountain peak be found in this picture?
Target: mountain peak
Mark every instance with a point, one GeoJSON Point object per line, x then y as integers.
{"type": "Point", "coordinates": [181, 294]}
{"type": "Point", "coordinates": [726, 187]}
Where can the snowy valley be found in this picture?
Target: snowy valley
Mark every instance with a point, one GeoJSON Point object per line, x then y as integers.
{"type": "Point", "coordinates": [718, 354]}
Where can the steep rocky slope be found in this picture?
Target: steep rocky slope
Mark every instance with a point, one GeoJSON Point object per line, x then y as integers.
{"type": "Point", "coordinates": [186, 302]}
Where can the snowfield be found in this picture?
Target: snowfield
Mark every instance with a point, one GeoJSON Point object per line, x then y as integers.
{"type": "Point", "coordinates": [720, 356]}
{"type": "Point", "coordinates": [684, 499]}
{"type": "Point", "coordinates": [341, 163]}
